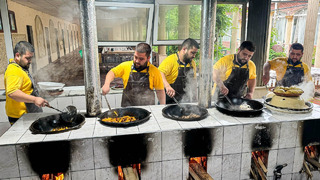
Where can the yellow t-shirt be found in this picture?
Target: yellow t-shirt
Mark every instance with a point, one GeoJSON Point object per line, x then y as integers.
{"type": "Point", "coordinates": [170, 67]}
{"type": "Point", "coordinates": [280, 66]}
{"type": "Point", "coordinates": [15, 78]}
{"type": "Point", "coordinates": [225, 65]}
{"type": "Point", "coordinates": [123, 70]}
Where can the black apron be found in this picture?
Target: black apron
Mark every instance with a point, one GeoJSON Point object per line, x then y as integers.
{"type": "Point", "coordinates": [237, 81]}
{"type": "Point", "coordinates": [137, 91]}
{"type": "Point", "coordinates": [31, 107]}
{"type": "Point", "coordinates": [180, 82]}
{"type": "Point", "coordinates": [293, 76]}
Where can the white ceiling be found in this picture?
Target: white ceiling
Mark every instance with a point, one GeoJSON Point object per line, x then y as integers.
{"type": "Point", "coordinates": [64, 9]}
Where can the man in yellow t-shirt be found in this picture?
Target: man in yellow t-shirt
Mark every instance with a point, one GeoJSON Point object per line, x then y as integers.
{"type": "Point", "coordinates": [21, 93]}
{"type": "Point", "coordinates": [233, 72]}
{"type": "Point", "coordinates": [179, 70]}
{"type": "Point", "coordinates": [139, 77]}
{"type": "Point", "coordinates": [290, 71]}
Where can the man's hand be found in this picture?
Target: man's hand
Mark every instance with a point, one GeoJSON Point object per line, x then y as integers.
{"type": "Point", "coordinates": [265, 78]}
{"type": "Point", "coordinates": [170, 91]}
{"type": "Point", "coordinates": [40, 102]}
{"type": "Point", "coordinates": [105, 89]}
{"type": "Point", "coordinates": [249, 96]}
{"type": "Point", "coordinates": [223, 89]}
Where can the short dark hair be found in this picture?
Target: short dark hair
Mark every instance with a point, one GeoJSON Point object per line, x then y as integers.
{"type": "Point", "coordinates": [247, 45]}
{"type": "Point", "coordinates": [296, 46]}
{"type": "Point", "coordinates": [190, 43]}
{"type": "Point", "coordinates": [22, 47]}
{"type": "Point", "coordinates": [143, 48]}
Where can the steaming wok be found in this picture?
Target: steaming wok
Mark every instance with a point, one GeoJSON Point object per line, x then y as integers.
{"type": "Point", "coordinates": [174, 112]}
{"type": "Point", "coordinates": [141, 115]}
{"type": "Point", "coordinates": [47, 125]}
{"type": "Point", "coordinates": [234, 110]}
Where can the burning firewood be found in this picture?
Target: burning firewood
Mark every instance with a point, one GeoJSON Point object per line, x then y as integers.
{"type": "Point", "coordinates": [130, 173]}
{"type": "Point", "coordinates": [198, 172]}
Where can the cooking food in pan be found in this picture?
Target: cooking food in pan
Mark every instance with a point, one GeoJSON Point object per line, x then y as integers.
{"type": "Point", "coordinates": [240, 108]}
{"type": "Point", "coordinates": [189, 113]}
{"type": "Point", "coordinates": [119, 119]}
{"type": "Point", "coordinates": [192, 115]}
{"type": "Point", "coordinates": [54, 124]}
{"type": "Point", "coordinates": [124, 117]}
{"type": "Point", "coordinates": [60, 129]}
{"type": "Point", "coordinates": [288, 91]}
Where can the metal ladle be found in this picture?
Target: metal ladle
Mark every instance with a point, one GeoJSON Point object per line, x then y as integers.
{"type": "Point", "coordinates": [105, 97]}
{"type": "Point", "coordinates": [68, 115]}
{"type": "Point", "coordinates": [176, 101]}
{"type": "Point", "coordinates": [230, 102]}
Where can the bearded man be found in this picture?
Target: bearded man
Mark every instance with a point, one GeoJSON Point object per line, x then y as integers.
{"type": "Point", "coordinates": [140, 79]}
{"type": "Point", "coordinates": [179, 69]}
{"type": "Point", "coordinates": [290, 71]}
{"type": "Point", "coordinates": [22, 95]}
{"type": "Point", "coordinates": [235, 74]}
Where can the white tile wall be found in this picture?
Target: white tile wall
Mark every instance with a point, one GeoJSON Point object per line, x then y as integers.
{"type": "Point", "coordinates": [8, 164]}
{"type": "Point", "coordinates": [286, 156]}
{"type": "Point", "coordinates": [232, 139]}
{"type": "Point", "coordinates": [101, 153]}
{"type": "Point", "coordinates": [170, 169]}
{"type": "Point", "coordinates": [288, 134]}
{"type": "Point", "coordinates": [83, 175]}
{"type": "Point", "coordinates": [245, 165]}
{"type": "Point", "coordinates": [82, 155]}
{"type": "Point", "coordinates": [171, 145]}
{"type": "Point", "coordinates": [214, 168]}
{"type": "Point", "coordinates": [231, 164]}
{"type": "Point", "coordinates": [106, 174]}
{"type": "Point", "coordinates": [151, 171]}
{"type": "Point", "coordinates": [217, 138]}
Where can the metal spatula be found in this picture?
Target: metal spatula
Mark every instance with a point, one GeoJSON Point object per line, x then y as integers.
{"type": "Point", "coordinates": [105, 97]}
{"type": "Point", "coordinates": [181, 108]}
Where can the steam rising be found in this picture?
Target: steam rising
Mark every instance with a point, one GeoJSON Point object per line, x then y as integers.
{"type": "Point", "coordinates": [309, 90]}
{"type": "Point", "coordinates": [191, 88]}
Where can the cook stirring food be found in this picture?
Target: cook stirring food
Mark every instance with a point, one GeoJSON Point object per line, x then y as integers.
{"type": "Point", "coordinates": [176, 68]}
{"type": "Point", "coordinates": [22, 95]}
{"type": "Point", "coordinates": [232, 73]}
{"type": "Point", "coordinates": [139, 77]}
{"type": "Point", "coordinates": [290, 70]}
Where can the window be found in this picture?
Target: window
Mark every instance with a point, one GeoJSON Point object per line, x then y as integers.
{"type": "Point", "coordinates": [12, 20]}
{"type": "Point", "coordinates": [1, 28]}
{"type": "Point", "coordinates": [175, 21]}
{"type": "Point", "coordinates": [123, 24]}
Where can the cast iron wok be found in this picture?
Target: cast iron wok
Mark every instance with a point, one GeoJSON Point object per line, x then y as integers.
{"type": "Point", "coordinates": [174, 112]}
{"type": "Point", "coordinates": [141, 115]}
{"type": "Point", "coordinates": [234, 110]}
{"type": "Point", "coordinates": [45, 125]}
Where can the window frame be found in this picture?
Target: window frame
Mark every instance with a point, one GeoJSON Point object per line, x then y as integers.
{"type": "Point", "coordinates": [128, 5]}
{"type": "Point", "coordinates": [157, 42]}
{"type": "Point", "coordinates": [1, 28]}
{"type": "Point", "coordinates": [14, 21]}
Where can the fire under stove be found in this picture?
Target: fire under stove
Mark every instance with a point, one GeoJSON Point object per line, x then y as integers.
{"type": "Point", "coordinates": [270, 146]}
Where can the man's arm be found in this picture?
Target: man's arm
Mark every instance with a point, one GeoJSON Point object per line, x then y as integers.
{"type": "Point", "coordinates": [251, 87]}
{"type": "Point", "coordinates": [161, 96]}
{"type": "Point", "coordinates": [170, 91]}
{"type": "Point", "coordinates": [216, 78]}
{"type": "Point", "coordinates": [109, 78]}
{"type": "Point", "coordinates": [20, 96]}
{"type": "Point", "coordinates": [266, 73]}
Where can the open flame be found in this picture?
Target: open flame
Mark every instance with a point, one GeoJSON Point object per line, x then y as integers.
{"type": "Point", "coordinates": [132, 171]}
{"type": "Point", "coordinates": [259, 161]}
{"type": "Point", "coordinates": [201, 160]}
{"type": "Point", "coordinates": [54, 176]}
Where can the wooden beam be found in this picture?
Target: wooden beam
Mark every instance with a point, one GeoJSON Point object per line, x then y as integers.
{"type": "Point", "coordinates": [257, 32]}
{"type": "Point", "coordinates": [130, 173]}
{"type": "Point", "coordinates": [310, 31]}
{"type": "Point", "coordinates": [198, 172]}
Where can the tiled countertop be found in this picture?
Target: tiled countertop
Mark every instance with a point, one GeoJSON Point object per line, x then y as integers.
{"type": "Point", "coordinates": [19, 133]}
